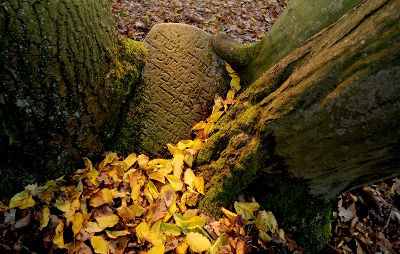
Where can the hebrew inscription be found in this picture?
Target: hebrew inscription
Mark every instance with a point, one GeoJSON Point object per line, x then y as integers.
{"type": "Point", "coordinates": [181, 77]}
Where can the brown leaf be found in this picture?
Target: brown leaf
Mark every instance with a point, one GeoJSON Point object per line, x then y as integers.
{"type": "Point", "coordinates": [159, 210]}
{"type": "Point", "coordinates": [23, 222]}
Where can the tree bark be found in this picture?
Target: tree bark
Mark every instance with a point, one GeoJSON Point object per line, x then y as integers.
{"type": "Point", "coordinates": [322, 120]}
{"type": "Point", "coordinates": [55, 102]}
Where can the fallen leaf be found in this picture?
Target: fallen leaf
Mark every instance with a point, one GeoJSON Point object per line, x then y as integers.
{"type": "Point", "coordinates": [77, 223]}
{"type": "Point", "coordinates": [197, 242]}
{"type": "Point", "coordinates": [218, 243]}
{"type": "Point", "coordinates": [246, 209]}
{"type": "Point", "coordinates": [170, 229]}
{"type": "Point", "coordinates": [182, 248]}
{"type": "Point", "coordinates": [22, 200]}
{"type": "Point", "coordinates": [158, 249]}
{"type": "Point", "coordinates": [231, 216]}
{"type": "Point", "coordinates": [175, 182]}
{"type": "Point", "coordinates": [189, 178]}
{"type": "Point", "coordinates": [59, 237]}
{"type": "Point", "coordinates": [115, 234]}
{"type": "Point", "coordinates": [107, 221]}
{"type": "Point", "coordinates": [100, 245]}
{"type": "Point", "coordinates": [130, 160]}
{"type": "Point", "coordinates": [266, 222]}
{"type": "Point", "coordinates": [143, 231]}
{"type": "Point", "coordinates": [92, 227]}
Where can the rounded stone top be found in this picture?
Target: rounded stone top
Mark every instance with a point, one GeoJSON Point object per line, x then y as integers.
{"type": "Point", "coordinates": [182, 74]}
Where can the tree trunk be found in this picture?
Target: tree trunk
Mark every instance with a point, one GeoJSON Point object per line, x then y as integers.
{"type": "Point", "coordinates": [55, 102]}
{"type": "Point", "coordinates": [322, 120]}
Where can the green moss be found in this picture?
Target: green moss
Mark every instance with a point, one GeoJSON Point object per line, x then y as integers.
{"type": "Point", "coordinates": [124, 80]}
{"type": "Point", "coordinates": [295, 208]}
{"type": "Point", "coordinates": [235, 170]}
{"type": "Point", "coordinates": [125, 72]}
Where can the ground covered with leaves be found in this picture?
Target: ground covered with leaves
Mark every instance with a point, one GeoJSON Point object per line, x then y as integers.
{"type": "Point", "coordinates": [245, 21]}
{"type": "Point", "coordinates": [367, 220]}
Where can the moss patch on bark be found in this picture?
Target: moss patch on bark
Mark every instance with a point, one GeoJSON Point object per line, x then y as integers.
{"type": "Point", "coordinates": [125, 80]}
{"type": "Point", "coordinates": [308, 217]}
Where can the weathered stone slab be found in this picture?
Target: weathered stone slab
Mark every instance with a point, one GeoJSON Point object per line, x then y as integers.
{"type": "Point", "coordinates": [181, 77]}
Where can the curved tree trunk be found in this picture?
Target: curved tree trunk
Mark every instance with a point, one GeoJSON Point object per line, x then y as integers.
{"type": "Point", "coordinates": [321, 121]}
{"type": "Point", "coordinates": [55, 103]}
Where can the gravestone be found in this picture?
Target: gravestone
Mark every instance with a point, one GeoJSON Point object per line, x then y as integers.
{"type": "Point", "coordinates": [182, 74]}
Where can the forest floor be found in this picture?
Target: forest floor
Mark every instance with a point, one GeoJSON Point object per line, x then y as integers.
{"type": "Point", "coordinates": [245, 21]}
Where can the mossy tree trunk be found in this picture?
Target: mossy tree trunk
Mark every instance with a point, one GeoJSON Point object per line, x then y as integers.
{"type": "Point", "coordinates": [55, 102]}
{"type": "Point", "coordinates": [322, 120]}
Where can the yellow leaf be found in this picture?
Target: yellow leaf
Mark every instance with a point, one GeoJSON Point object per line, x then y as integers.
{"type": "Point", "coordinates": [135, 192]}
{"type": "Point", "coordinates": [191, 197]}
{"type": "Point", "coordinates": [189, 159]}
{"type": "Point", "coordinates": [147, 194]}
{"type": "Point", "coordinates": [130, 160]}
{"type": "Point", "coordinates": [231, 95]}
{"type": "Point", "coordinates": [102, 197]}
{"type": "Point", "coordinates": [158, 249]}
{"type": "Point", "coordinates": [183, 144]}
{"type": "Point", "coordinates": [59, 237]}
{"type": "Point", "coordinates": [92, 176]}
{"type": "Point", "coordinates": [189, 178]}
{"type": "Point", "coordinates": [189, 223]}
{"type": "Point", "coordinates": [46, 196]}
{"type": "Point", "coordinates": [246, 209]}
{"type": "Point", "coordinates": [108, 159]}
{"type": "Point", "coordinates": [100, 245]}
{"type": "Point", "coordinates": [177, 163]}
{"type": "Point", "coordinates": [231, 216]}
{"type": "Point", "coordinates": [182, 248]}
{"type": "Point", "coordinates": [63, 206]}
{"type": "Point", "coordinates": [142, 231]}
{"type": "Point", "coordinates": [107, 221]}
{"type": "Point", "coordinates": [92, 227]}
{"type": "Point", "coordinates": [142, 160]}
{"type": "Point", "coordinates": [266, 222]}
{"type": "Point", "coordinates": [158, 176]}
{"type": "Point", "coordinates": [45, 217]}
{"type": "Point", "coordinates": [170, 229]}
{"type": "Point", "coordinates": [217, 104]}
{"type": "Point", "coordinates": [22, 200]}
{"type": "Point", "coordinates": [197, 242]}
{"type": "Point", "coordinates": [218, 243]}
{"type": "Point", "coordinates": [155, 236]}
{"type": "Point", "coordinates": [172, 149]}
{"type": "Point", "coordinates": [77, 222]}
{"type": "Point", "coordinates": [235, 83]}
{"type": "Point", "coordinates": [138, 210]}
{"type": "Point", "coordinates": [199, 184]}
{"type": "Point", "coordinates": [153, 190]}
{"type": "Point", "coordinates": [197, 144]}
{"type": "Point", "coordinates": [198, 126]}
{"type": "Point", "coordinates": [115, 234]}
{"type": "Point", "coordinates": [175, 182]}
